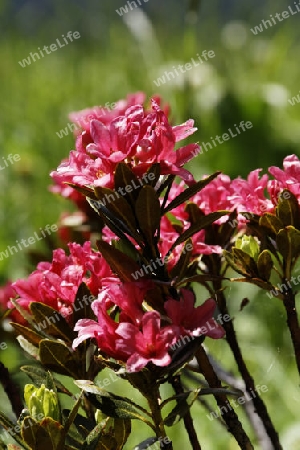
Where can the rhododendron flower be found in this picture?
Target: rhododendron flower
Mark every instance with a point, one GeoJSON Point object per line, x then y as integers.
{"type": "Point", "coordinates": [150, 344]}
{"type": "Point", "coordinates": [194, 320]}
{"type": "Point", "coordinates": [137, 138]}
{"type": "Point", "coordinates": [103, 331]}
{"type": "Point", "coordinates": [56, 283]}
{"type": "Point", "coordinates": [288, 178]}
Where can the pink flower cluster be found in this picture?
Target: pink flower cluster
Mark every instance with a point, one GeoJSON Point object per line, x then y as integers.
{"type": "Point", "coordinates": [55, 284]}
{"type": "Point", "coordinates": [141, 337]}
{"type": "Point", "coordinates": [130, 134]}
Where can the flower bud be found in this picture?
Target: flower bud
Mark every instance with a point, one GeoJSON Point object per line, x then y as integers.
{"type": "Point", "coordinates": [41, 402]}
{"type": "Point", "coordinates": [249, 245]}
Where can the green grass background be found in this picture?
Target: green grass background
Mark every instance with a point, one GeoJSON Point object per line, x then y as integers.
{"type": "Point", "coordinates": [250, 79]}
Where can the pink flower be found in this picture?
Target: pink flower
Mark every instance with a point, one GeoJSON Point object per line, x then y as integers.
{"type": "Point", "coordinates": [103, 331]}
{"type": "Point", "coordinates": [193, 320]}
{"type": "Point", "coordinates": [137, 137]}
{"type": "Point", "coordinates": [150, 344]}
{"type": "Point", "coordinates": [56, 283]}
{"type": "Point", "coordinates": [288, 178]}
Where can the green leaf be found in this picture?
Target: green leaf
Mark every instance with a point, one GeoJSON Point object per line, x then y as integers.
{"type": "Point", "coordinates": [246, 261]}
{"type": "Point", "coordinates": [110, 404]}
{"type": "Point", "coordinates": [288, 209]}
{"type": "Point", "coordinates": [47, 434]}
{"type": "Point", "coordinates": [203, 223]}
{"type": "Point", "coordinates": [184, 403]}
{"type": "Point", "coordinates": [119, 209]}
{"type": "Point", "coordinates": [284, 244]}
{"type": "Point", "coordinates": [82, 304]}
{"type": "Point", "coordinates": [155, 170]}
{"type": "Point", "coordinates": [125, 177]}
{"type": "Point", "coordinates": [121, 264]}
{"type": "Point", "coordinates": [271, 222]}
{"type": "Point", "coordinates": [265, 265]}
{"type": "Point", "coordinates": [122, 430]}
{"type": "Point", "coordinates": [51, 321]}
{"type": "Point", "coordinates": [30, 335]}
{"type": "Point", "coordinates": [181, 266]}
{"type": "Point", "coordinates": [38, 376]}
{"type": "Point", "coordinates": [58, 357]}
{"type": "Point", "coordinates": [12, 429]}
{"type": "Point", "coordinates": [147, 210]}
{"type": "Point", "coordinates": [84, 190]}
{"type": "Point", "coordinates": [294, 236]}
{"type": "Point", "coordinates": [189, 192]}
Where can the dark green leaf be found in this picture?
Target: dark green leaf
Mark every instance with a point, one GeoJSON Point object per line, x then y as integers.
{"type": "Point", "coordinates": [288, 209]}
{"type": "Point", "coordinates": [294, 236]}
{"type": "Point", "coordinates": [38, 375]}
{"type": "Point", "coordinates": [12, 428]}
{"type": "Point", "coordinates": [119, 209]}
{"type": "Point", "coordinates": [120, 263]}
{"type": "Point", "coordinates": [125, 177]}
{"type": "Point", "coordinates": [84, 190]}
{"type": "Point", "coordinates": [181, 266]}
{"type": "Point", "coordinates": [59, 358]}
{"type": "Point", "coordinates": [122, 430]}
{"type": "Point", "coordinates": [147, 210]}
{"type": "Point", "coordinates": [30, 335]}
{"type": "Point", "coordinates": [183, 405]}
{"type": "Point", "coordinates": [51, 321]}
{"type": "Point", "coordinates": [284, 244]}
{"type": "Point", "coordinates": [47, 434]}
{"type": "Point", "coordinates": [110, 404]}
{"type": "Point", "coordinates": [271, 222]}
{"type": "Point", "coordinates": [189, 192]}
{"type": "Point", "coordinates": [82, 304]}
{"type": "Point", "coordinates": [203, 223]}
{"type": "Point", "coordinates": [265, 265]}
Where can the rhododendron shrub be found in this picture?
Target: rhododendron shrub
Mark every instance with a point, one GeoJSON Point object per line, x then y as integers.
{"type": "Point", "coordinates": [123, 297]}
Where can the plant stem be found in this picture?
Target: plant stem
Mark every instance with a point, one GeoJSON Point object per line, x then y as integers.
{"type": "Point", "coordinates": [259, 405]}
{"type": "Point", "coordinates": [188, 421]}
{"type": "Point", "coordinates": [293, 323]}
{"type": "Point", "coordinates": [154, 403]}
{"type": "Point", "coordinates": [231, 419]}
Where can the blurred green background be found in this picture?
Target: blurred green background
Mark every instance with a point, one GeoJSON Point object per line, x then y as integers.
{"type": "Point", "coordinates": [251, 78]}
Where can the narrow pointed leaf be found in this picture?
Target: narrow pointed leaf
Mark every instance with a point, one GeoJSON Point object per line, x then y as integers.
{"type": "Point", "coordinates": [288, 209]}
{"type": "Point", "coordinates": [84, 190]}
{"type": "Point", "coordinates": [58, 357]}
{"type": "Point", "coordinates": [38, 375]}
{"type": "Point", "coordinates": [30, 335]}
{"type": "Point", "coordinates": [147, 210]}
{"type": "Point", "coordinates": [271, 222]}
{"type": "Point", "coordinates": [189, 192]}
{"type": "Point", "coordinates": [265, 265]}
{"type": "Point", "coordinates": [51, 321]}
{"type": "Point", "coordinates": [182, 407]}
{"type": "Point", "coordinates": [120, 263]}
{"type": "Point", "coordinates": [122, 430]}
{"type": "Point", "coordinates": [203, 223]}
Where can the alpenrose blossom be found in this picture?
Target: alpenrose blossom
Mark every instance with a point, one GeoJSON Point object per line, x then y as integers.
{"type": "Point", "coordinates": [193, 320]}
{"type": "Point", "coordinates": [288, 178]}
{"type": "Point", "coordinates": [138, 336]}
{"type": "Point", "coordinates": [55, 284]}
{"type": "Point", "coordinates": [137, 138]}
